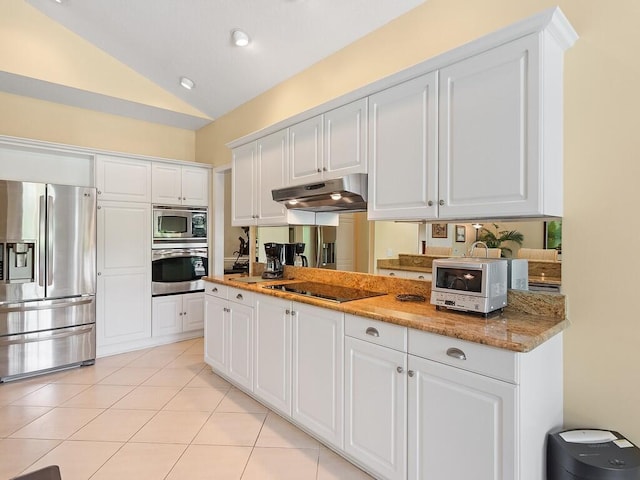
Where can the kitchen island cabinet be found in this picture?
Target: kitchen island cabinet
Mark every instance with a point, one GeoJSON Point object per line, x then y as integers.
{"type": "Point", "coordinates": [272, 367]}
{"type": "Point", "coordinates": [229, 334]}
{"type": "Point", "coordinates": [414, 399]}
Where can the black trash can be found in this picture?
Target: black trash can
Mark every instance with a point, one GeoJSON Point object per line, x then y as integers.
{"type": "Point", "coordinates": [591, 455]}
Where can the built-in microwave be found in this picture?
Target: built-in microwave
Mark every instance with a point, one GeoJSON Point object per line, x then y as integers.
{"type": "Point", "coordinates": [469, 284]}
{"type": "Point", "coordinates": [173, 226]}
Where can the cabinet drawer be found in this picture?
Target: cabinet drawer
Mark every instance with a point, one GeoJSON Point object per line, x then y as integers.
{"type": "Point", "coordinates": [375, 331]}
{"type": "Point", "coordinates": [237, 295]}
{"type": "Point", "coordinates": [489, 361]}
{"type": "Point", "coordinates": [216, 289]}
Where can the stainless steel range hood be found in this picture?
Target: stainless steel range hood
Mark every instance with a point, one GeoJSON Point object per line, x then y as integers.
{"type": "Point", "coordinates": [345, 194]}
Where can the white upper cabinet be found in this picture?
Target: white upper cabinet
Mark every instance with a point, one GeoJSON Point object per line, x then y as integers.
{"type": "Point", "coordinates": [403, 150]}
{"type": "Point", "coordinates": [490, 147]}
{"type": "Point", "coordinates": [257, 168]}
{"type": "Point", "coordinates": [123, 179]}
{"type": "Point", "coordinates": [305, 151]}
{"type": "Point", "coordinates": [329, 145]}
{"type": "Point", "coordinates": [180, 185]}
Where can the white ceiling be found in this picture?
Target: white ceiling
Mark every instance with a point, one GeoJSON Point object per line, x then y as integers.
{"type": "Point", "coordinates": [166, 39]}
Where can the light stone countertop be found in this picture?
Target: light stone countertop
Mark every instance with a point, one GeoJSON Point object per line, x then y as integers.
{"type": "Point", "coordinates": [528, 321]}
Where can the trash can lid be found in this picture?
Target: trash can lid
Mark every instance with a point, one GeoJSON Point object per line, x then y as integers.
{"type": "Point", "coordinates": [594, 454]}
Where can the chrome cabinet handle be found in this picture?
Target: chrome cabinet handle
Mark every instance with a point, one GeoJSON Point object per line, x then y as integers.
{"type": "Point", "coordinates": [456, 353]}
{"type": "Point", "coordinates": [430, 203]}
{"type": "Point", "coordinates": [239, 296]}
{"type": "Point", "coordinates": [400, 369]}
{"type": "Point", "coordinates": [441, 203]}
{"type": "Point", "coordinates": [287, 312]}
{"type": "Point", "coordinates": [372, 331]}
{"type": "Point", "coordinates": [421, 277]}
{"type": "Point", "coordinates": [410, 373]}
{"type": "Point", "coordinates": [293, 313]}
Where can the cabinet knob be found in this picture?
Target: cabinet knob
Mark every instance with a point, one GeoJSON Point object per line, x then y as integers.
{"type": "Point", "coordinates": [372, 331]}
{"type": "Point", "coordinates": [99, 273]}
{"type": "Point", "coordinates": [99, 192]}
{"type": "Point", "coordinates": [410, 373]}
{"type": "Point", "coordinates": [99, 207]}
{"type": "Point", "coordinates": [400, 370]}
{"type": "Point", "coordinates": [456, 353]}
{"type": "Point", "coordinates": [180, 314]}
{"type": "Point", "coordinates": [184, 198]}
{"type": "Point", "coordinates": [441, 203]}
{"type": "Point", "coordinates": [430, 203]}
{"type": "Point", "coordinates": [214, 289]}
{"type": "Point", "coordinates": [293, 313]}
{"type": "Point", "coordinates": [391, 274]}
{"type": "Point", "coordinates": [319, 170]}
{"type": "Point", "coordinates": [239, 296]}
{"type": "Point", "coordinates": [324, 169]}
{"type": "Point", "coordinates": [420, 277]}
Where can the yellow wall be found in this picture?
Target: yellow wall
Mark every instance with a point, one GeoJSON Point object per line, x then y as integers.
{"type": "Point", "coordinates": [601, 170]}
{"type": "Point", "coordinates": [51, 122]}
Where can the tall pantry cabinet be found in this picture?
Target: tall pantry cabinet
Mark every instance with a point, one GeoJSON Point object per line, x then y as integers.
{"type": "Point", "coordinates": [123, 306]}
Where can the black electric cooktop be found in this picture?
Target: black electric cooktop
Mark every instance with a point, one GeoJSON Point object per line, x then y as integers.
{"type": "Point", "coordinates": [323, 291]}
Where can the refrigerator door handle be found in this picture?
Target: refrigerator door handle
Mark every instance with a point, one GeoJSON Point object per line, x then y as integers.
{"type": "Point", "coordinates": [23, 338]}
{"type": "Point", "coordinates": [49, 236]}
{"type": "Point", "coordinates": [46, 305]}
{"type": "Point", "coordinates": [41, 241]}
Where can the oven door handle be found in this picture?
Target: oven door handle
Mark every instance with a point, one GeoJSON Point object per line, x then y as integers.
{"type": "Point", "coordinates": [178, 252]}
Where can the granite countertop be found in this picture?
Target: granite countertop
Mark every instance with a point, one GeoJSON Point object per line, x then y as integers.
{"type": "Point", "coordinates": [528, 321]}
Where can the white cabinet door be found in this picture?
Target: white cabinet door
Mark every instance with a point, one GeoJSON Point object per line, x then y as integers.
{"type": "Point", "coordinates": [489, 133]}
{"type": "Point", "coordinates": [123, 179]}
{"type": "Point", "coordinates": [345, 140]}
{"type": "Point", "coordinates": [318, 371]}
{"type": "Point", "coordinates": [167, 184]}
{"type": "Point", "coordinates": [376, 407]}
{"type": "Point", "coordinates": [195, 186]}
{"type": "Point", "coordinates": [454, 412]}
{"type": "Point", "coordinates": [177, 185]}
{"type": "Point", "coordinates": [215, 332]}
{"type": "Point", "coordinates": [166, 315]}
{"type": "Point", "coordinates": [403, 151]}
{"type": "Point", "coordinates": [305, 151]}
{"type": "Point", "coordinates": [244, 185]}
{"type": "Point", "coordinates": [272, 378]}
{"type": "Point", "coordinates": [192, 312]}
{"type": "Point", "coordinates": [240, 343]}
{"type": "Point", "coordinates": [271, 173]}
{"type": "Point", "coordinates": [123, 300]}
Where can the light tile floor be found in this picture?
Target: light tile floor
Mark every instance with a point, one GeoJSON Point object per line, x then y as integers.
{"type": "Point", "coordinates": [153, 414]}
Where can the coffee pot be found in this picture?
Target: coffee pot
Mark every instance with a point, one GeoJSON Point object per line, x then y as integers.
{"type": "Point", "coordinates": [274, 267]}
{"type": "Point", "coordinates": [300, 260]}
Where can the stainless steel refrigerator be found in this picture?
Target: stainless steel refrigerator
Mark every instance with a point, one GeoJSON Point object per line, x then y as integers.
{"type": "Point", "coordinates": [47, 277]}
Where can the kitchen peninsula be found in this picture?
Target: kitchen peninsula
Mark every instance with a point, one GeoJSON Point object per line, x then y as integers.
{"type": "Point", "coordinates": [444, 382]}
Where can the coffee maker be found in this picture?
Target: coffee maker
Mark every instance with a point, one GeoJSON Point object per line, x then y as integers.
{"type": "Point", "coordinates": [293, 254]}
{"type": "Point", "coordinates": [300, 260]}
{"type": "Point", "coordinates": [274, 260]}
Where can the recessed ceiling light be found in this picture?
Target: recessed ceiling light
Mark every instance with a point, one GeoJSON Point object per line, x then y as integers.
{"type": "Point", "coordinates": [58, 1]}
{"type": "Point", "coordinates": [187, 83]}
{"type": "Point", "coordinates": [240, 38]}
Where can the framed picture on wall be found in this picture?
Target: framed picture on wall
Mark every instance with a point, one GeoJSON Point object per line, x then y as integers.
{"type": "Point", "coordinates": [553, 235]}
{"type": "Point", "coordinates": [438, 230]}
{"type": "Point", "coordinates": [461, 233]}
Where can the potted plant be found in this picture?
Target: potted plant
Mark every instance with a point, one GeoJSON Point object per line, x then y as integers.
{"type": "Point", "coordinates": [497, 238]}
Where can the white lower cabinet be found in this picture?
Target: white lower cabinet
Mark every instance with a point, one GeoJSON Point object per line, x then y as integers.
{"type": "Point", "coordinates": [376, 396]}
{"type": "Point", "coordinates": [403, 404]}
{"type": "Point", "coordinates": [229, 334]}
{"type": "Point", "coordinates": [318, 371]}
{"type": "Point", "coordinates": [461, 424]}
{"type": "Point", "coordinates": [272, 367]}
{"type": "Point", "coordinates": [174, 314]}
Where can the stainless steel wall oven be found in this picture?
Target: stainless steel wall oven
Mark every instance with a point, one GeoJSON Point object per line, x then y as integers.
{"type": "Point", "coordinates": [178, 270]}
